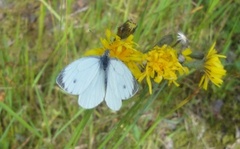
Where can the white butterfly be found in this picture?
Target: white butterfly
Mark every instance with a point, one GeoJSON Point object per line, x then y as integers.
{"type": "Point", "coordinates": [96, 78]}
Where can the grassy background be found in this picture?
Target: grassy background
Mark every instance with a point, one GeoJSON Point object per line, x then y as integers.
{"type": "Point", "coordinates": [39, 38]}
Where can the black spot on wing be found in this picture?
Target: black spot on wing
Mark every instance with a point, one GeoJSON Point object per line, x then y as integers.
{"type": "Point", "coordinates": [124, 86]}
{"type": "Point", "coordinates": [75, 81]}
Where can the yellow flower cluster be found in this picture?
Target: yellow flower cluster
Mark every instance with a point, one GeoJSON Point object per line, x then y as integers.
{"type": "Point", "coordinates": [160, 63]}
{"type": "Point", "coordinates": [121, 49]}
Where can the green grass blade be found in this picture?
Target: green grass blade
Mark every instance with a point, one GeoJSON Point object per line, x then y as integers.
{"type": "Point", "coordinates": [22, 121]}
{"type": "Point", "coordinates": [78, 131]}
{"type": "Point", "coordinates": [51, 10]}
{"type": "Point", "coordinates": [68, 123]}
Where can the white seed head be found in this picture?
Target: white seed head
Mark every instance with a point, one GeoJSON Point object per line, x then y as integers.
{"type": "Point", "coordinates": [182, 38]}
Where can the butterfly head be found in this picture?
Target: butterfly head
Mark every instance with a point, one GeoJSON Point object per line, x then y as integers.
{"type": "Point", "coordinates": [106, 53]}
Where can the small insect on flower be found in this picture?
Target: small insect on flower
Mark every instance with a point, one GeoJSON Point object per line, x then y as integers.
{"type": "Point", "coordinates": [126, 29]}
{"type": "Point", "coordinates": [98, 78]}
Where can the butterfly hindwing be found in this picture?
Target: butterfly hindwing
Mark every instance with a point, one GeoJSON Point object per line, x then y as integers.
{"type": "Point", "coordinates": [120, 84]}
{"type": "Point", "coordinates": [95, 92]}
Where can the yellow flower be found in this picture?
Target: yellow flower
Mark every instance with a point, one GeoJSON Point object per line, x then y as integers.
{"type": "Point", "coordinates": [213, 69]}
{"type": "Point", "coordinates": [122, 49]}
{"type": "Point", "coordinates": [186, 53]}
{"type": "Point", "coordinates": [162, 63]}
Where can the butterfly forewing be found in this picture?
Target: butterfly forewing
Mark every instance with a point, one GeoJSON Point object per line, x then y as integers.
{"type": "Point", "coordinates": [77, 76]}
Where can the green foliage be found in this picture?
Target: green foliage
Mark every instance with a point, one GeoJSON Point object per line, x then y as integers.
{"type": "Point", "coordinates": [39, 38]}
